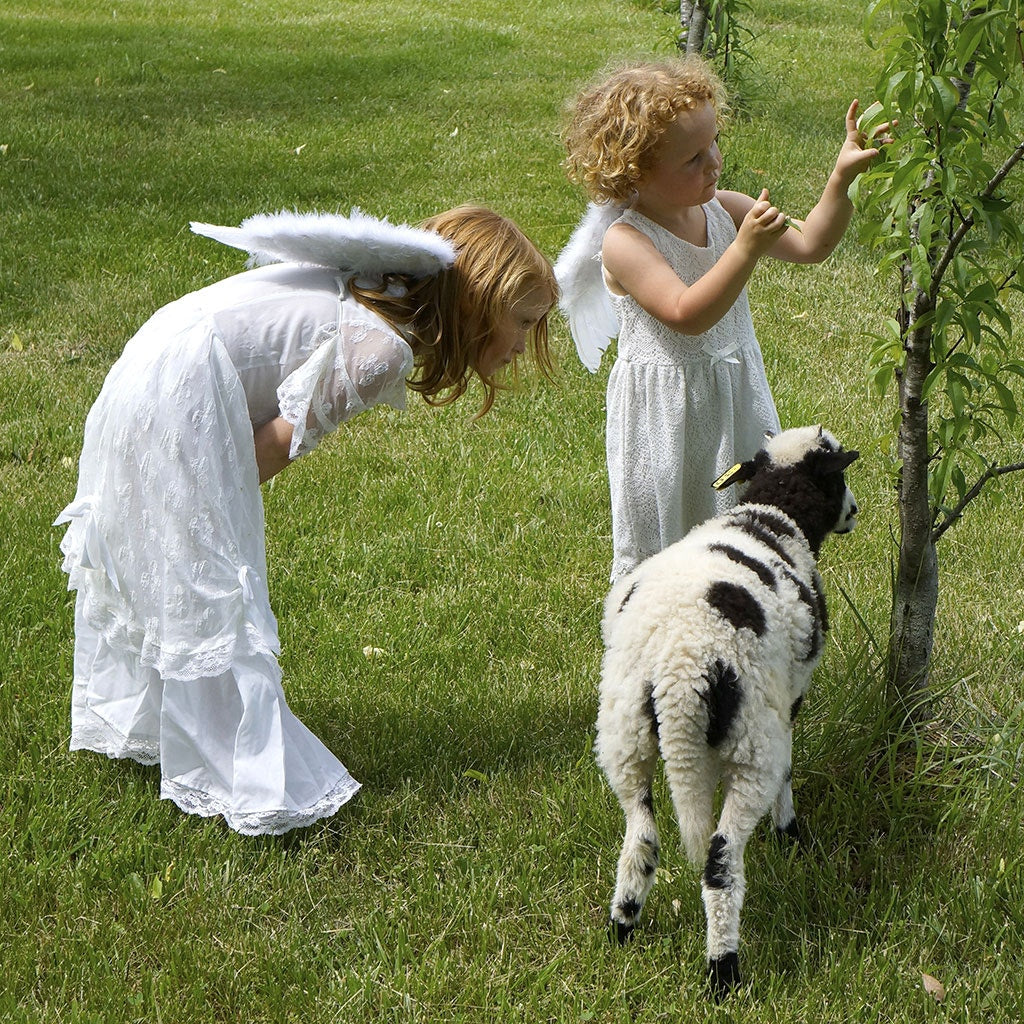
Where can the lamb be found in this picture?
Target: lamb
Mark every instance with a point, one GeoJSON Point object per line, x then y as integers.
{"type": "Point", "coordinates": [709, 649]}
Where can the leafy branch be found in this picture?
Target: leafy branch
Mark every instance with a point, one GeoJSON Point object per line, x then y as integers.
{"type": "Point", "coordinates": [967, 221]}
{"type": "Point", "coordinates": [956, 513]}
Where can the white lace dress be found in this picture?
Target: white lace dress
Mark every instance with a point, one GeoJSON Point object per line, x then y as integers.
{"type": "Point", "coordinates": [175, 640]}
{"type": "Point", "coordinates": [681, 410]}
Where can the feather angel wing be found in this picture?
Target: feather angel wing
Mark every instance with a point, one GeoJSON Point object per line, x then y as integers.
{"type": "Point", "coordinates": [584, 298]}
{"type": "Point", "coordinates": [359, 242]}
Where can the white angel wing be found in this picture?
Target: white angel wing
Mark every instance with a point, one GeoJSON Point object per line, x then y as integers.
{"type": "Point", "coordinates": [358, 242]}
{"type": "Point", "coordinates": [584, 298]}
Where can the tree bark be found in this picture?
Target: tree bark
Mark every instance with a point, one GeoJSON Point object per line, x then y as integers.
{"type": "Point", "coordinates": [693, 26]}
{"type": "Point", "coordinates": [916, 587]}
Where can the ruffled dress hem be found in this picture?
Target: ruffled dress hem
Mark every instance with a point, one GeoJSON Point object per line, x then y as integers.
{"type": "Point", "coordinates": [101, 738]}
{"type": "Point", "coordinates": [269, 822]}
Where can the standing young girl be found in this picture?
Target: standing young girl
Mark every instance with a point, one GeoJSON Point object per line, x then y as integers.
{"type": "Point", "coordinates": [687, 395]}
{"type": "Point", "coordinates": [175, 642]}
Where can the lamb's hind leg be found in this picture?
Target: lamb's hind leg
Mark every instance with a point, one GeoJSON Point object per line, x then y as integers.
{"type": "Point", "coordinates": [783, 812]}
{"type": "Point", "coordinates": [627, 751]}
{"type": "Point", "coordinates": [638, 862]}
{"type": "Point", "coordinates": [747, 800]}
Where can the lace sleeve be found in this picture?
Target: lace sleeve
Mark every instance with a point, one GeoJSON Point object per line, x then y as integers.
{"type": "Point", "coordinates": [357, 364]}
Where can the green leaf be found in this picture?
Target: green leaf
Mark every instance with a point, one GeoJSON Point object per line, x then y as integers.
{"type": "Point", "coordinates": [957, 393]}
{"type": "Point", "coordinates": [924, 216]}
{"type": "Point", "coordinates": [968, 38]}
{"type": "Point", "coordinates": [871, 116]}
{"type": "Point", "coordinates": [938, 479]}
{"type": "Point", "coordinates": [1007, 401]}
{"type": "Point", "coordinates": [931, 380]}
{"type": "Point", "coordinates": [964, 361]}
{"type": "Point", "coordinates": [971, 323]}
{"type": "Point", "coordinates": [920, 267]}
{"type": "Point", "coordinates": [946, 97]}
{"type": "Point", "coordinates": [959, 482]}
{"type": "Point", "coordinates": [882, 378]}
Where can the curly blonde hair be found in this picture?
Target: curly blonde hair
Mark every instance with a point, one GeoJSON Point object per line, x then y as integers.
{"type": "Point", "coordinates": [450, 318]}
{"type": "Point", "coordinates": [615, 124]}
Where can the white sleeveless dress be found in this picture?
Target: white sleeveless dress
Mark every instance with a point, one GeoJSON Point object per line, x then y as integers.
{"type": "Point", "coordinates": [175, 639]}
{"type": "Point", "coordinates": [680, 410]}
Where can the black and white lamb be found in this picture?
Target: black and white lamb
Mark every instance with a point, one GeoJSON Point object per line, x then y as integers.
{"type": "Point", "coordinates": [709, 649]}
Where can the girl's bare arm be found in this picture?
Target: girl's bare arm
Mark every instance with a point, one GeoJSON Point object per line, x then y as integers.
{"type": "Point", "coordinates": [273, 443]}
{"type": "Point", "coordinates": [634, 266]}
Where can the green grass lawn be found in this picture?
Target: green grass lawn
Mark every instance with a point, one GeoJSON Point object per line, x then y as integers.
{"type": "Point", "coordinates": [469, 879]}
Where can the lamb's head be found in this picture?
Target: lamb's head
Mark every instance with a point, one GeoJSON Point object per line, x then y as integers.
{"type": "Point", "coordinates": [802, 472]}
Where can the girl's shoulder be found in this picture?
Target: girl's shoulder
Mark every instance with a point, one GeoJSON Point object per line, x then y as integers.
{"type": "Point", "coordinates": [631, 219]}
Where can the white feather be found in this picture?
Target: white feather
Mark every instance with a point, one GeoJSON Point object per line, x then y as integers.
{"type": "Point", "coordinates": [358, 242]}
{"type": "Point", "coordinates": [584, 298]}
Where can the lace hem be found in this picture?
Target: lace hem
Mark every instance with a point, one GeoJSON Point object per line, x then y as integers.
{"type": "Point", "coordinates": [101, 738]}
{"type": "Point", "coordinates": [257, 823]}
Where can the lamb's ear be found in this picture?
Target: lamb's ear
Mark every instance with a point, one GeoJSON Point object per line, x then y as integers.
{"type": "Point", "coordinates": [835, 462]}
{"type": "Point", "coordinates": [738, 474]}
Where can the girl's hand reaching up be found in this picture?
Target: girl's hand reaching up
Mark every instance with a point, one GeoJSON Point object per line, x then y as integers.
{"type": "Point", "coordinates": [859, 150]}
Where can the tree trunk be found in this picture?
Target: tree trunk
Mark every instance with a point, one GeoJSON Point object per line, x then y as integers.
{"type": "Point", "coordinates": [693, 24]}
{"type": "Point", "coordinates": [916, 587]}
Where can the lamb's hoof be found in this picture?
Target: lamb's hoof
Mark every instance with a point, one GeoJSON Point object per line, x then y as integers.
{"type": "Point", "coordinates": [789, 835]}
{"type": "Point", "coordinates": [723, 975]}
{"type": "Point", "coordinates": [618, 932]}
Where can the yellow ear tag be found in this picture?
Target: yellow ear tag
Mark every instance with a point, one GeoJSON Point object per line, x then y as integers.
{"type": "Point", "coordinates": [727, 477]}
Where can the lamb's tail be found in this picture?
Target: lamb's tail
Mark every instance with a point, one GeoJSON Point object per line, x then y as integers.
{"type": "Point", "coordinates": [694, 716]}
{"type": "Point", "coordinates": [693, 788]}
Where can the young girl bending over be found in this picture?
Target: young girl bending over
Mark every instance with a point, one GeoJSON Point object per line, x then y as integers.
{"type": "Point", "coordinates": [687, 395]}
{"type": "Point", "coordinates": [175, 642]}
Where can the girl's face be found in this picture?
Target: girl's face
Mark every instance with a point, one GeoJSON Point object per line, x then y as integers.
{"type": "Point", "coordinates": [508, 339]}
{"type": "Point", "coordinates": [687, 161]}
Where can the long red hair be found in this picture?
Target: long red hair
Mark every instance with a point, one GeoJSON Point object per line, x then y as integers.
{"type": "Point", "coordinates": [448, 319]}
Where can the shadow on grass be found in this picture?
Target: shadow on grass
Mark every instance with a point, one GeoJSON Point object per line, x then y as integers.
{"type": "Point", "coordinates": [884, 806]}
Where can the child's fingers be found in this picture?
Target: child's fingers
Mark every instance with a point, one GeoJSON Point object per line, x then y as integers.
{"type": "Point", "coordinates": [766, 217]}
{"type": "Point", "coordinates": [879, 134]}
{"type": "Point", "coordinates": [855, 125]}
{"type": "Point", "coordinates": [851, 116]}
{"type": "Point", "coordinates": [771, 218]}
